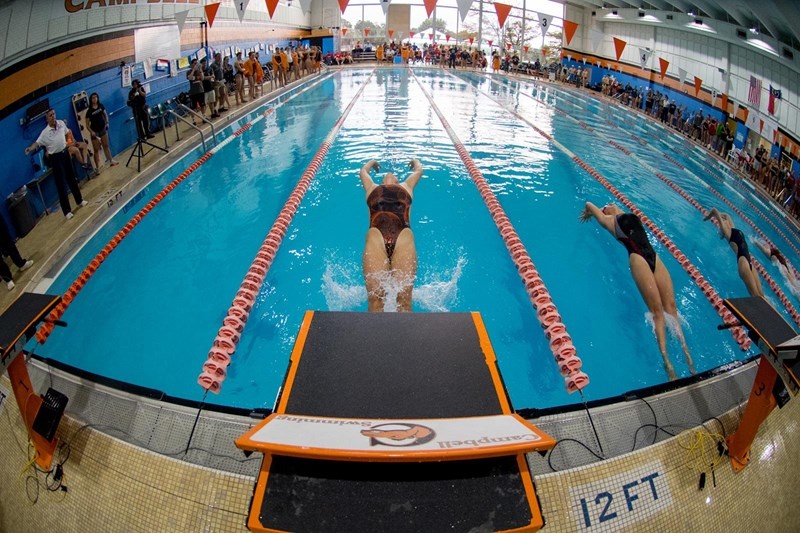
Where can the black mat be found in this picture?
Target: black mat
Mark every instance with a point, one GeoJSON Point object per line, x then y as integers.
{"type": "Point", "coordinates": [391, 365]}
{"type": "Point", "coordinates": [21, 318]}
{"type": "Point", "coordinates": [761, 317]}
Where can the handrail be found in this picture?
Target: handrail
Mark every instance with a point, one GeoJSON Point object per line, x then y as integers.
{"type": "Point", "coordinates": [191, 125]}
{"type": "Point", "coordinates": [201, 117]}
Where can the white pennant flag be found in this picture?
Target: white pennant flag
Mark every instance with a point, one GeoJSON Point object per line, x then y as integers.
{"type": "Point", "coordinates": [305, 5]}
{"type": "Point", "coordinates": [180, 18]}
{"type": "Point", "coordinates": [644, 56]}
{"type": "Point", "coordinates": [769, 130]}
{"type": "Point", "coordinates": [682, 76]}
{"type": "Point", "coordinates": [463, 8]}
{"type": "Point", "coordinates": [597, 38]}
{"type": "Point", "coordinates": [544, 24]}
{"type": "Point", "coordinates": [754, 121]}
{"type": "Point", "coordinates": [241, 7]}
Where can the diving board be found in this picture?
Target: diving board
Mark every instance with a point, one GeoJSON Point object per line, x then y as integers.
{"type": "Point", "coordinates": [394, 422]}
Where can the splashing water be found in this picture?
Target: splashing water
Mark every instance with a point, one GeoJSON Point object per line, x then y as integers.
{"type": "Point", "coordinates": [343, 288]}
{"type": "Point", "coordinates": [674, 324]}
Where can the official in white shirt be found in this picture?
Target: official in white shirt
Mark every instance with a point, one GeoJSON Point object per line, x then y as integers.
{"type": "Point", "coordinates": [54, 141]}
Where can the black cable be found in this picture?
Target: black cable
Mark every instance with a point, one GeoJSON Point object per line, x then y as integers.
{"type": "Point", "coordinates": [196, 419]}
{"type": "Point", "coordinates": [721, 425]}
{"type": "Point", "coordinates": [655, 419]}
{"type": "Point", "coordinates": [553, 449]}
{"type": "Point", "coordinates": [657, 428]}
{"type": "Point", "coordinates": [591, 421]}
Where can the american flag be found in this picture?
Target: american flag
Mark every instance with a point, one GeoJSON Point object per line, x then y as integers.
{"type": "Point", "coordinates": [754, 96]}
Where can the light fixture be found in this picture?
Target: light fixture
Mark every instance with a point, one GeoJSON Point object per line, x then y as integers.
{"type": "Point", "coordinates": [754, 29]}
{"type": "Point", "coordinates": [614, 12]}
{"type": "Point", "coordinates": [691, 13]}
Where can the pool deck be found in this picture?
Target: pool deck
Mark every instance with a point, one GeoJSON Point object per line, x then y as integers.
{"type": "Point", "coordinates": [116, 486]}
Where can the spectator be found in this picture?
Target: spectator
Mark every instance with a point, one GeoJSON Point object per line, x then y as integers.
{"type": "Point", "coordinates": [8, 248]}
{"type": "Point", "coordinates": [97, 126]}
{"type": "Point", "coordinates": [54, 141]}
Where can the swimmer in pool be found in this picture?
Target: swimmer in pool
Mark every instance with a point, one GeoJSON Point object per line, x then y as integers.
{"type": "Point", "coordinates": [651, 276]}
{"type": "Point", "coordinates": [389, 250]}
{"type": "Point", "coordinates": [738, 244]}
{"type": "Point", "coordinates": [789, 273]}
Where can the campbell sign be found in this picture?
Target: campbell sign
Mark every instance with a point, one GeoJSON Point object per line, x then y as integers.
{"type": "Point", "coordinates": [73, 6]}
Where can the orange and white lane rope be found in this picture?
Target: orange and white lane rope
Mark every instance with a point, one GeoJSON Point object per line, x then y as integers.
{"type": "Point", "coordinates": [228, 336]}
{"type": "Point", "coordinates": [564, 352]}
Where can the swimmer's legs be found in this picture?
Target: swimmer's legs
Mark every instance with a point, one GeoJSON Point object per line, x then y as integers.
{"type": "Point", "coordinates": [404, 268]}
{"type": "Point", "coordinates": [375, 263]}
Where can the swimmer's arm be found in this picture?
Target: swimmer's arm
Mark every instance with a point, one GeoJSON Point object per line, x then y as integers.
{"type": "Point", "coordinates": [366, 179]}
{"type": "Point", "coordinates": [416, 173]}
{"type": "Point", "coordinates": [713, 214]}
{"type": "Point", "coordinates": [591, 210]}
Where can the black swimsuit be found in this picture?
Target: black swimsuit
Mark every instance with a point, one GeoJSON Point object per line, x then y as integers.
{"type": "Point", "coordinates": [629, 231]}
{"type": "Point", "coordinates": [737, 238]}
{"type": "Point", "coordinates": [389, 207]}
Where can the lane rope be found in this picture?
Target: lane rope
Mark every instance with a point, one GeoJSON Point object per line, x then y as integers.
{"type": "Point", "coordinates": [227, 339]}
{"type": "Point", "coordinates": [560, 342]}
{"type": "Point", "coordinates": [72, 291]}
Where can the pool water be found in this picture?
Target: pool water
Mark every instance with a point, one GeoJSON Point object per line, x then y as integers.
{"type": "Point", "coordinates": [150, 313]}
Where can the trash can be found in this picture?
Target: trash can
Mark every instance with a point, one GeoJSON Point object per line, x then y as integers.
{"type": "Point", "coordinates": [21, 211]}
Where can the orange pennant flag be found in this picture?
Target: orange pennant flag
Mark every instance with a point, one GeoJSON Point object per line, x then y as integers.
{"type": "Point", "coordinates": [525, 48]}
{"type": "Point", "coordinates": [697, 84]}
{"type": "Point", "coordinates": [725, 103]}
{"type": "Point", "coordinates": [429, 5]}
{"type": "Point", "coordinates": [490, 43]}
{"type": "Point", "coordinates": [447, 37]}
{"type": "Point", "coordinates": [411, 34]}
{"type": "Point", "coordinates": [431, 36]}
{"type": "Point", "coordinates": [619, 46]}
{"type": "Point", "coordinates": [761, 125]}
{"type": "Point", "coordinates": [391, 34]}
{"type": "Point", "coordinates": [664, 65]}
{"type": "Point", "coordinates": [508, 46]}
{"type": "Point", "coordinates": [366, 32]}
{"type": "Point", "coordinates": [211, 12]}
{"type": "Point", "coordinates": [344, 32]}
{"type": "Point", "coordinates": [271, 5]}
{"type": "Point", "coordinates": [343, 5]}
{"type": "Point", "coordinates": [502, 13]}
{"type": "Point", "coordinates": [471, 40]}
{"type": "Point", "coordinates": [569, 29]}
{"type": "Point", "coordinates": [745, 114]}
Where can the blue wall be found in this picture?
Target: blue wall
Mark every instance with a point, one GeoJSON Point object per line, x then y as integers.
{"type": "Point", "coordinates": [18, 169]}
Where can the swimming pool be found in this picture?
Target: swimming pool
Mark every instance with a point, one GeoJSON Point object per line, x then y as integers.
{"type": "Point", "coordinates": [150, 312]}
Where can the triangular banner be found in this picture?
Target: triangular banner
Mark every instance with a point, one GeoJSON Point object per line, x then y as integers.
{"type": "Point", "coordinates": [697, 84]}
{"type": "Point", "coordinates": [752, 119]}
{"type": "Point", "coordinates": [508, 46]}
{"type": "Point", "coordinates": [525, 48]}
{"type": "Point", "coordinates": [502, 11]}
{"type": "Point", "coordinates": [384, 5]}
{"type": "Point", "coordinates": [241, 7]}
{"type": "Point", "coordinates": [644, 56]}
{"type": "Point", "coordinates": [463, 8]}
{"type": "Point", "coordinates": [682, 76]}
{"type": "Point", "coordinates": [411, 34]}
{"type": "Point", "coordinates": [431, 36]}
{"type": "Point", "coordinates": [305, 5]}
{"type": "Point", "coordinates": [342, 4]}
{"type": "Point", "coordinates": [619, 46]}
{"type": "Point", "coordinates": [344, 32]}
{"type": "Point", "coordinates": [366, 32]}
{"type": "Point", "coordinates": [664, 64]}
{"type": "Point", "coordinates": [211, 13]}
{"type": "Point", "coordinates": [271, 5]}
{"type": "Point", "coordinates": [471, 40]}
{"type": "Point", "coordinates": [544, 24]}
{"type": "Point", "coordinates": [597, 38]}
{"type": "Point", "coordinates": [569, 30]}
{"type": "Point", "coordinates": [430, 5]}
{"type": "Point", "coordinates": [447, 37]}
{"type": "Point", "coordinates": [724, 103]}
{"type": "Point", "coordinates": [391, 34]}
{"type": "Point", "coordinates": [180, 18]}
{"type": "Point", "coordinates": [490, 43]}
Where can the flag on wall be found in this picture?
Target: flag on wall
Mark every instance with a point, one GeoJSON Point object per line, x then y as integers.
{"type": "Point", "coordinates": [774, 94]}
{"type": "Point", "coordinates": [569, 30]}
{"type": "Point", "coordinates": [754, 94]}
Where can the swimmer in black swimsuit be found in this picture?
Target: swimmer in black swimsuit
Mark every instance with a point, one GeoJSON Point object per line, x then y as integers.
{"type": "Point", "coordinates": [389, 252]}
{"type": "Point", "coordinates": [651, 276]}
{"type": "Point", "coordinates": [744, 262]}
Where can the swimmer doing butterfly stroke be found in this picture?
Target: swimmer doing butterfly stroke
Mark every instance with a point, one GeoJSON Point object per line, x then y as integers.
{"type": "Point", "coordinates": [390, 256]}
{"type": "Point", "coordinates": [649, 273]}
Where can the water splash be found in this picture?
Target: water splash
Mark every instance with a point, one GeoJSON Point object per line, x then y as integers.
{"type": "Point", "coordinates": [343, 288]}
{"type": "Point", "coordinates": [674, 324]}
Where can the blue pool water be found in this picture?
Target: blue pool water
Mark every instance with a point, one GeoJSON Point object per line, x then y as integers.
{"type": "Point", "coordinates": [151, 311]}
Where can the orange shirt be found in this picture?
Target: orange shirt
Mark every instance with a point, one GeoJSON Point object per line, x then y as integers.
{"type": "Point", "coordinates": [248, 67]}
{"type": "Point", "coordinates": [284, 61]}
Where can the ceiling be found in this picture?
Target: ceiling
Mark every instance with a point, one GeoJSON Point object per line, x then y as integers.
{"type": "Point", "coordinates": [770, 17]}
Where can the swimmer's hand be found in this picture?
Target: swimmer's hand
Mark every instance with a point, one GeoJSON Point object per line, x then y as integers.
{"type": "Point", "coordinates": [415, 165]}
{"type": "Point", "coordinates": [585, 216]}
{"type": "Point", "coordinates": [372, 164]}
